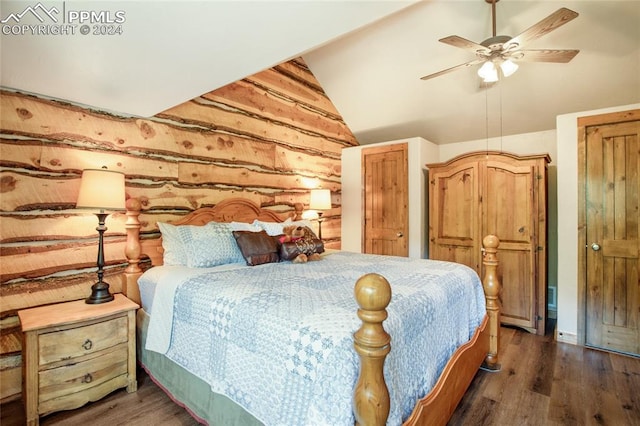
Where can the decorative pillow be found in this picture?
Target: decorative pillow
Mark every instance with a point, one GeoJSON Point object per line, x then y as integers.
{"type": "Point", "coordinates": [307, 244]}
{"type": "Point", "coordinates": [209, 245]}
{"type": "Point", "coordinates": [291, 250]}
{"type": "Point", "coordinates": [257, 247]}
{"type": "Point", "coordinates": [174, 252]}
{"type": "Point", "coordinates": [275, 228]}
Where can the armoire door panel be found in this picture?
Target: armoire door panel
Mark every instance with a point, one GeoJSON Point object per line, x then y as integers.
{"type": "Point", "coordinates": [518, 295]}
{"type": "Point", "coordinates": [509, 201]}
{"type": "Point", "coordinates": [454, 228]}
{"type": "Point", "coordinates": [456, 205]}
{"type": "Point", "coordinates": [456, 253]}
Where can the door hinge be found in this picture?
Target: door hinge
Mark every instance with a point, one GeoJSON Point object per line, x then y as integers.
{"type": "Point", "coordinates": [539, 177]}
{"type": "Point", "coordinates": [540, 248]}
{"type": "Point", "coordinates": [539, 318]}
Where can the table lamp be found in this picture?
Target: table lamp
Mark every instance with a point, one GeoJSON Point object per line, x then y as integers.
{"type": "Point", "coordinates": [101, 190]}
{"type": "Point", "coordinates": [320, 200]}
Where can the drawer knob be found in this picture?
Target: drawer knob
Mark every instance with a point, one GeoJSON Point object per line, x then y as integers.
{"type": "Point", "coordinates": [88, 344]}
{"type": "Point", "coordinates": [87, 378]}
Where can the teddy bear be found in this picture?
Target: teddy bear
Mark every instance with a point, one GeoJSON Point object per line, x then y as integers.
{"type": "Point", "coordinates": [306, 246]}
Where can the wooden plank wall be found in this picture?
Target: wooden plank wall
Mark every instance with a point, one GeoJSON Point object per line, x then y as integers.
{"type": "Point", "coordinates": [269, 137]}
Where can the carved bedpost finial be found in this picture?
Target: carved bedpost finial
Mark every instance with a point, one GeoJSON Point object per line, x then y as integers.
{"type": "Point", "coordinates": [371, 341]}
{"type": "Point", "coordinates": [132, 249]}
{"type": "Point", "coordinates": [491, 285]}
{"type": "Point", "coordinates": [297, 211]}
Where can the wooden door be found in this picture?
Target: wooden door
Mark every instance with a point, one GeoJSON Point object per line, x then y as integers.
{"type": "Point", "coordinates": [612, 192]}
{"type": "Point", "coordinates": [510, 203]}
{"type": "Point", "coordinates": [454, 225]}
{"type": "Point", "coordinates": [386, 200]}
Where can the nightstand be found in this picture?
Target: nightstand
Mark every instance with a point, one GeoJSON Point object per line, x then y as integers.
{"type": "Point", "coordinates": [74, 352]}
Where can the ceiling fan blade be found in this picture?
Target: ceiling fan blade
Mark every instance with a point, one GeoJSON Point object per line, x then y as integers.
{"type": "Point", "coordinates": [546, 55]}
{"type": "Point", "coordinates": [448, 70]}
{"type": "Point", "coordinates": [548, 24]}
{"type": "Point", "coordinates": [463, 43]}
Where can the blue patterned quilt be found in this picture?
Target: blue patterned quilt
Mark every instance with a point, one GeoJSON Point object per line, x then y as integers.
{"type": "Point", "coordinates": [277, 338]}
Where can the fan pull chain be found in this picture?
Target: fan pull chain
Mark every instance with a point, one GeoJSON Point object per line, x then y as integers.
{"type": "Point", "coordinates": [501, 132]}
{"type": "Point", "coordinates": [486, 116]}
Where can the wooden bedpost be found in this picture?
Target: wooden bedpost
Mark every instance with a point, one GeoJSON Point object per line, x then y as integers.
{"type": "Point", "coordinates": [132, 251]}
{"type": "Point", "coordinates": [298, 208]}
{"type": "Point", "coordinates": [491, 285]}
{"type": "Point", "coordinates": [371, 341]}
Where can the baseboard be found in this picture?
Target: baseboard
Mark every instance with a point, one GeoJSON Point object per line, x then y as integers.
{"type": "Point", "coordinates": [564, 337]}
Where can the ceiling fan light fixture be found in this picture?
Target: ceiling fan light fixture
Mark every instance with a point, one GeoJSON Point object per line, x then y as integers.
{"type": "Point", "coordinates": [492, 78]}
{"type": "Point", "coordinates": [488, 72]}
{"type": "Point", "coordinates": [508, 67]}
{"type": "Point", "coordinates": [501, 49]}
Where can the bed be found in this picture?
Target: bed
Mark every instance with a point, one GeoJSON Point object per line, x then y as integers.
{"type": "Point", "coordinates": [355, 354]}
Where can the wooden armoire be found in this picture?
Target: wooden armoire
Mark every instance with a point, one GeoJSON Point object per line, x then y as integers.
{"type": "Point", "coordinates": [498, 193]}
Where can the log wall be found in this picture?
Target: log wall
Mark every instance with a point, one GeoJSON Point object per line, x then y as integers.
{"type": "Point", "coordinates": [270, 137]}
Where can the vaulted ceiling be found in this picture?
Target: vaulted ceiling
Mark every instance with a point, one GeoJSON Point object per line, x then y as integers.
{"type": "Point", "coordinates": [368, 56]}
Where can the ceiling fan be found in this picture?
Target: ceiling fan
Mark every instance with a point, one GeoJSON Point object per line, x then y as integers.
{"type": "Point", "coordinates": [504, 51]}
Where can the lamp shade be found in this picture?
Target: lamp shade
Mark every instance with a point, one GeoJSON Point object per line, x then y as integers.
{"type": "Point", "coordinates": [508, 67]}
{"type": "Point", "coordinates": [101, 189]}
{"type": "Point", "coordinates": [488, 72]}
{"type": "Point", "coordinates": [320, 199]}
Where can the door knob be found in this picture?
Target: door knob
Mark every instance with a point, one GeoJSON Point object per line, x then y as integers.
{"type": "Point", "coordinates": [595, 247]}
{"type": "Point", "coordinates": [399, 235]}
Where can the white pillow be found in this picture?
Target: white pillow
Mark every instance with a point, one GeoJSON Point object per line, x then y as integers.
{"type": "Point", "coordinates": [210, 245]}
{"type": "Point", "coordinates": [174, 253]}
{"type": "Point", "coordinates": [275, 228]}
{"type": "Point", "coordinates": [242, 226]}
{"type": "Point", "coordinates": [199, 246]}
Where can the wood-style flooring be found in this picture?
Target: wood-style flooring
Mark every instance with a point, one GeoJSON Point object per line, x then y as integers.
{"type": "Point", "coordinates": [542, 382]}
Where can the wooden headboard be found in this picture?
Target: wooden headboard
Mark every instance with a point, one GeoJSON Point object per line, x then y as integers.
{"type": "Point", "coordinates": [229, 210]}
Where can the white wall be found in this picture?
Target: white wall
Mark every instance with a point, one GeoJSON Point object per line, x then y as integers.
{"type": "Point", "coordinates": [420, 152]}
{"type": "Point", "coordinates": [523, 144]}
{"type": "Point", "coordinates": [567, 146]}
{"type": "Point", "coordinates": [351, 232]}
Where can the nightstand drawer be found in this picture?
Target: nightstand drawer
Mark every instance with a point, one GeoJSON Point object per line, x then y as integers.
{"type": "Point", "coordinates": [77, 377]}
{"type": "Point", "coordinates": [75, 342]}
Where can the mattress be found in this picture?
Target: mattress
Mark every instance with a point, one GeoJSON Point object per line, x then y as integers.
{"type": "Point", "coordinates": [148, 282]}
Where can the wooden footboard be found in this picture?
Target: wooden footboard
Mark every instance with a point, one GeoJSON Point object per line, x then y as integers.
{"type": "Point", "coordinates": [437, 407]}
{"type": "Point", "coordinates": [372, 343]}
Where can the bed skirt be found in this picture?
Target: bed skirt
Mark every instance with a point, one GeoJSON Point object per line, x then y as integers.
{"type": "Point", "coordinates": [187, 390]}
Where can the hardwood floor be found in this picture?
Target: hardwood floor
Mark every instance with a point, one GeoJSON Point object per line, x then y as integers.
{"type": "Point", "coordinates": [148, 406]}
{"type": "Point", "coordinates": [542, 382]}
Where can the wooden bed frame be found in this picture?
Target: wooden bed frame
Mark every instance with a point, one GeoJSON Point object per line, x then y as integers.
{"type": "Point", "coordinates": [371, 342]}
